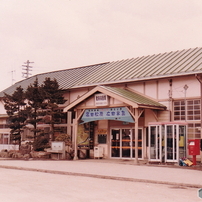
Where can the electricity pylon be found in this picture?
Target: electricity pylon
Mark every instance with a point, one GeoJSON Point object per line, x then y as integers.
{"type": "Point", "coordinates": [27, 69]}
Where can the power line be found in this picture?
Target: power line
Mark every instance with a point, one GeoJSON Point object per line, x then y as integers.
{"type": "Point", "coordinates": [27, 69]}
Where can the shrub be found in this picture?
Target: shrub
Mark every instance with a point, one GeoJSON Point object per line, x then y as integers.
{"type": "Point", "coordinates": [41, 142]}
{"type": "Point", "coordinates": [64, 138]}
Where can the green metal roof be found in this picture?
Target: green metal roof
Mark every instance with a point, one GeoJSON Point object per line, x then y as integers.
{"type": "Point", "coordinates": [133, 96]}
{"type": "Point", "coordinates": [66, 78]}
{"type": "Point", "coordinates": [147, 67]}
{"type": "Point", "coordinates": [128, 97]}
{"type": "Point", "coordinates": [161, 65]}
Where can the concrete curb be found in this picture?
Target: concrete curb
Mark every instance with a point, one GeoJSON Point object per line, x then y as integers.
{"type": "Point", "coordinates": [103, 177]}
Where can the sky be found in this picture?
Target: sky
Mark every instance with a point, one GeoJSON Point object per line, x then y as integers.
{"type": "Point", "coordinates": [63, 34]}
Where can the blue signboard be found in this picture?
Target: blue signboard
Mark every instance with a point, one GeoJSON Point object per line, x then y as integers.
{"type": "Point", "coordinates": [117, 114]}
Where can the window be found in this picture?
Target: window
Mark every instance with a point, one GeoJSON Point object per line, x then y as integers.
{"type": "Point", "coordinates": [4, 126]}
{"type": "Point", "coordinates": [4, 139]}
{"type": "Point", "coordinates": [194, 131]}
{"type": "Point", "coordinates": [189, 110]}
{"type": "Point", "coordinates": [179, 110]}
{"type": "Point", "coordinates": [193, 110]}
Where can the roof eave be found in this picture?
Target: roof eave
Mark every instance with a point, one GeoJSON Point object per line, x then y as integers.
{"type": "Point", "coordinates": [152, 107]}
{"type": "Point", "coordinates": [138, 79]}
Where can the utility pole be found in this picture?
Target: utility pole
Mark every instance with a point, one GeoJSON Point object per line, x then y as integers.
{"type": "Point", "coordinates": [27, 69]}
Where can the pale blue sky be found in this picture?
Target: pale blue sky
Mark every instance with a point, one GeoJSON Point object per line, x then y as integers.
{"type": "Point", "coordinates": [61, 34]}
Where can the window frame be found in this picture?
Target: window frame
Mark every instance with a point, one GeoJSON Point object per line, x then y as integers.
{"type": "Point", "coordinates": [187, 110]}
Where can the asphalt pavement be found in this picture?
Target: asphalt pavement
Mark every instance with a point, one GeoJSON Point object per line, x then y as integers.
{"type": "Point", "coordinates": [113, 169]}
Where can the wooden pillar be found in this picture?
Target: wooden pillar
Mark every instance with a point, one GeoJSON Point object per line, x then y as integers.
{"type": "Point", "coordinates": [78, 115]}
{"type": "Point", "coordinates": [75, 125]}
{"type": "Point", "coordinates": [75, 129]}
{"type": "Point", "coordinates": [136, 135]}
{"type": "Point", "coordinates": [69, 122]}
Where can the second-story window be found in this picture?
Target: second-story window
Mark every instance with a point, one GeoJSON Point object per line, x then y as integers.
{"type": "Point", "coordinates": [187, 111]}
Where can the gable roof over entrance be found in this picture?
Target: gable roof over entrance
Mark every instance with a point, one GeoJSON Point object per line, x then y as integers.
{"type": "Point", "coordinates": [131, 98]}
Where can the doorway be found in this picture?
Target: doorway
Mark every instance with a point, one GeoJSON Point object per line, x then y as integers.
{"type": "Point", "coordinates": [167, 142]}
{"type": "Point", "coordinates": [123, 143]}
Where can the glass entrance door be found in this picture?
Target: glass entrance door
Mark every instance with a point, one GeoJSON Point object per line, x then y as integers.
{"type": "Point", "coordinates": [182, 141]}
{"type": "Point", "coordinates": [126, 143]}
{"type": "Point", "coordinates": [172, 142]}
{"type": "Point", "coordinates": [167, 142]}
{"type": "Point", "coordinates": [123, 143]}
{"type": "Point", "coordinates": [140, 145]}
{"type": "Point", "coordinates": [156, 143]}
{"type": "Point", "coordinates": [115, 142]}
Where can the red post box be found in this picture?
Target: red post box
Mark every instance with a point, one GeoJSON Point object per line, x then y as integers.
{"type": "Point", "coordinates": [194, 148]}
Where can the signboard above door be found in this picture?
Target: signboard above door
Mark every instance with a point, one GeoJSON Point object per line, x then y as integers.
{"type": "Point", "coordinates": [115, 113]}
{"type": "Point", "coordinates": [101, 100]}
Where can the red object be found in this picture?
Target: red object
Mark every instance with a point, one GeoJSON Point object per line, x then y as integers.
{"type": "Point", "coordinates": [194, 159]}
{"type": "Point", "coordinates": [194, 146]}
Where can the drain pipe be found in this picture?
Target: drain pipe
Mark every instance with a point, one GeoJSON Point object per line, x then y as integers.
{"type": "Point", "coordinates": [170, 98]}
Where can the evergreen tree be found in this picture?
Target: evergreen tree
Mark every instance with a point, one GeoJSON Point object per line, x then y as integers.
{"type": "Point", "coordinates": [53, 97]}
{"type": "Point", "coordinates": [15, 107]}
{"type": "Point", "coordinates": [29, 108]}
{"type": "Point", "coordinates": [35, 99]}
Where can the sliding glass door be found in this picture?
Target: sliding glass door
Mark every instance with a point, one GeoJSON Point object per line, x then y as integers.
{"type": "Point", "coordinates": [123, 143]}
